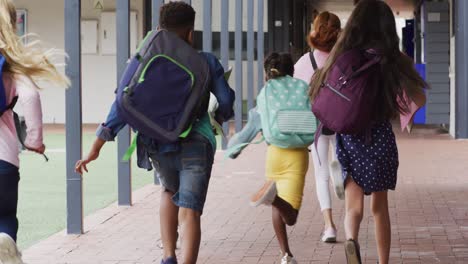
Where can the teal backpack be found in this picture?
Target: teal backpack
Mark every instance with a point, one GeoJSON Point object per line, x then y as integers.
{"type": "Point", "coordinates": [285, 110]}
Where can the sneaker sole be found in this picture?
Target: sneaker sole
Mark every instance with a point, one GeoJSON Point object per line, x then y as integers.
{"type": "Point", "coordinates": [329, 240]}
{"type": "Point", "coordinates": [9, 252]}
{"type": "Point", "coordinates": [351, 253]}
{"type": "Point", "coordinates": [337, 180]}
{"type": "Point", "coordinates": [258, 198]}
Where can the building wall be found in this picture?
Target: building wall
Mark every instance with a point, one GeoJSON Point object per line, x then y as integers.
{"type": "Point", "coordinates": [46, 18]}
{"type": "Point", "coordinates": [436, 41]}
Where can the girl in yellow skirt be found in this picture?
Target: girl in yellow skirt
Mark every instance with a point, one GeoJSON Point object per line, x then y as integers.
{"type": "Point", "coordinates": [285, 167]}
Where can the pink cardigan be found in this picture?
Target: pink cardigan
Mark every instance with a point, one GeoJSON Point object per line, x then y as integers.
{"type": "Point", "coordinates": [303, 69]}
{"type": "Point", "coordinates": [29, 101]}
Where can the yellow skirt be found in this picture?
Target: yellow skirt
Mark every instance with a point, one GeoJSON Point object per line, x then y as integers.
{"type": "Point", "coordinates": [288, 167]}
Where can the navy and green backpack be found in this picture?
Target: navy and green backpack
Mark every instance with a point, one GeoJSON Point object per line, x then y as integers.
{"type": "Point", "coordinates": [165, 88]}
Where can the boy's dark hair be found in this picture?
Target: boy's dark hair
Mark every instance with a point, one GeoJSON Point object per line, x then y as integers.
{"type": "Point", "coordinates": [176, 16]}
{"type": "Point", "coordinates": [278, 65]}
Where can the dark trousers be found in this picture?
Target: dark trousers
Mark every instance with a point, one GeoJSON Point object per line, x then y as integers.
{"type": "Point", "coordinates": [9, 179]}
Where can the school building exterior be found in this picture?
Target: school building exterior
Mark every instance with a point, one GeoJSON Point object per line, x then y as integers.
{"type": "Point", "coordinates": [99, 35]}
{"type": "Point", "coordinates": [285, 23]}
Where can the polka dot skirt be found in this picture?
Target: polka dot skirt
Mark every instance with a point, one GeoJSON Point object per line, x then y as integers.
{"type": "Point", "coordinates": [373, 165]}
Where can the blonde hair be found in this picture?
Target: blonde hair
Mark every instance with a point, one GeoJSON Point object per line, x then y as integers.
{"type": "Point", "coordinates": [30, 60]}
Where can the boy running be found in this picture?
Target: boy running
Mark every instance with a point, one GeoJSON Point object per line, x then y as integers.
{"type": "Point", "coordinates": [185, 166]}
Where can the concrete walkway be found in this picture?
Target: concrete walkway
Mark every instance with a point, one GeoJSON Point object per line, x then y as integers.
{"type": "Point", "coordinates": [429, 213]}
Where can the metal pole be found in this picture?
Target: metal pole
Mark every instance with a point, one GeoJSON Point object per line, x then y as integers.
{"type": "Point", "coordinates": [207, 30]}
{"type": "Point", "coordinates": [225, 51]}
{"type": "Point", "coordinates": [461, 76]}
{"type": "Point", "coordinates": [156, 5]}
{"type": "Point", "coordinates": [260, 43]}
{"type": "Point", "coordinates": [73, 116]}
{"type": "Point", "coordinates": [123, 53]}
{"type": "Point", "coordinates": [239, 68]}
{"type": "Point", "coordinates": [155, 23]}
{"type": "Point", "coordinates": [417, 37]}
{"type": "Point", "coordinates": [250, 54]}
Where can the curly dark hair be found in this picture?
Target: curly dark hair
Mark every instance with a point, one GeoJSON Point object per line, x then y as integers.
{"type": "Point", "coordinates": [278, 65]}
{"type": "Point", "coordinates": [176, 16]}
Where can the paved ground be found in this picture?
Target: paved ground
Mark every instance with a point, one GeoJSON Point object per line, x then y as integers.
{"type": "Point", "coordinates": [429, 212]}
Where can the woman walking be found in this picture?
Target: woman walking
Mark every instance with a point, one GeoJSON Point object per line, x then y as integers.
{"type": "Point", "coordinates": [326, 29]}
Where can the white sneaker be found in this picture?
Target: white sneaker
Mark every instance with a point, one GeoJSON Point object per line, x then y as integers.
{"type": "Point", "coordinates": [336, 174]}
{"type": "Point", "coordinates": [329, 235]}
{"type": "Point", "coordinates": [288, 259]}
{"type": "Point", "coordinates": [266, 195]}
{"type": "Point", "coordinates": [9, 253]}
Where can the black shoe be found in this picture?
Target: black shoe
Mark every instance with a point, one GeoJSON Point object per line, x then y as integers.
{"type": "Point", "coordinates": [352, 250]}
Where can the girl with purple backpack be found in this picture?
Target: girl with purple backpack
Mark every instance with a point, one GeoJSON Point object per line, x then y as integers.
{"type": "Point", "coordinates": [327, 27]}
{"type": "Point", "coordinates": [360, 89]}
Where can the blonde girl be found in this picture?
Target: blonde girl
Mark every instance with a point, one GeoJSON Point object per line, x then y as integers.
{"type": "Point", "coordinates": [24, 67]}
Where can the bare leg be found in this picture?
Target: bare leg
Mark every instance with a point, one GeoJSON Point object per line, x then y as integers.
{"type": "Point", "coordinates": [280, 230]}
{"type": "Point", "coordinates": [379, 206]}
{"type": "Point", "coordinates": [354, 209]}
{"type": "Point", "coordinates": [283, 214]}
{"type": "Point", "coordinates": [191, 234]}
{"type": "Point", "coordinates": [287, 212]}
{"type": "Point", "coordinates": [169, 222]}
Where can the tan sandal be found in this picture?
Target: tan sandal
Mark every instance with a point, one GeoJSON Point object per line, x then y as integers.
{"type": "Point", "coordinates": [352, 250]}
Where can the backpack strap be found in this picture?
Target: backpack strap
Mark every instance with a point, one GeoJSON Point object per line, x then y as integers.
{"type": "Point", "coordinates": [18, 134]}
{"type": "Point", "coordinates": [3, 99]}
{"type": "Point", "coordinates": [18, 129]}
{"type": "Point", "coordinates": [318, 133]}
{"type": "Point", "coordinates": [312, 60]}
{"type": "Point", "coordinates": [10, 106]}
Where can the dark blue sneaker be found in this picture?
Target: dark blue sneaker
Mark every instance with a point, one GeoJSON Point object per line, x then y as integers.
{"type": "Point", "coordinates": [169, 260]}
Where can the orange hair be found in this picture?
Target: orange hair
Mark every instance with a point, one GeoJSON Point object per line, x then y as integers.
{"type": "Point", "coordinates": [327, 27]}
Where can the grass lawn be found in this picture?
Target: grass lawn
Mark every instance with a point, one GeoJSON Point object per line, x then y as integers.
{"type": "Point", "coordinates": [42, 191]}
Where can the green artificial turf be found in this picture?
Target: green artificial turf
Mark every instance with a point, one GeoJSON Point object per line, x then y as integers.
{"type": "Point", "coordinates": [42, 191]}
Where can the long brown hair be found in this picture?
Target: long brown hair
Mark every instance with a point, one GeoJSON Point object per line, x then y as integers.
{"type": "Point", "coordinates": [327, 27]}
{"type": "Point", "coordinates": [372, 25]}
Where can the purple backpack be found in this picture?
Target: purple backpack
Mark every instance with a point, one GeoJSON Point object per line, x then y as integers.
{"type": "Point", "coordinates": [346, 99]}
